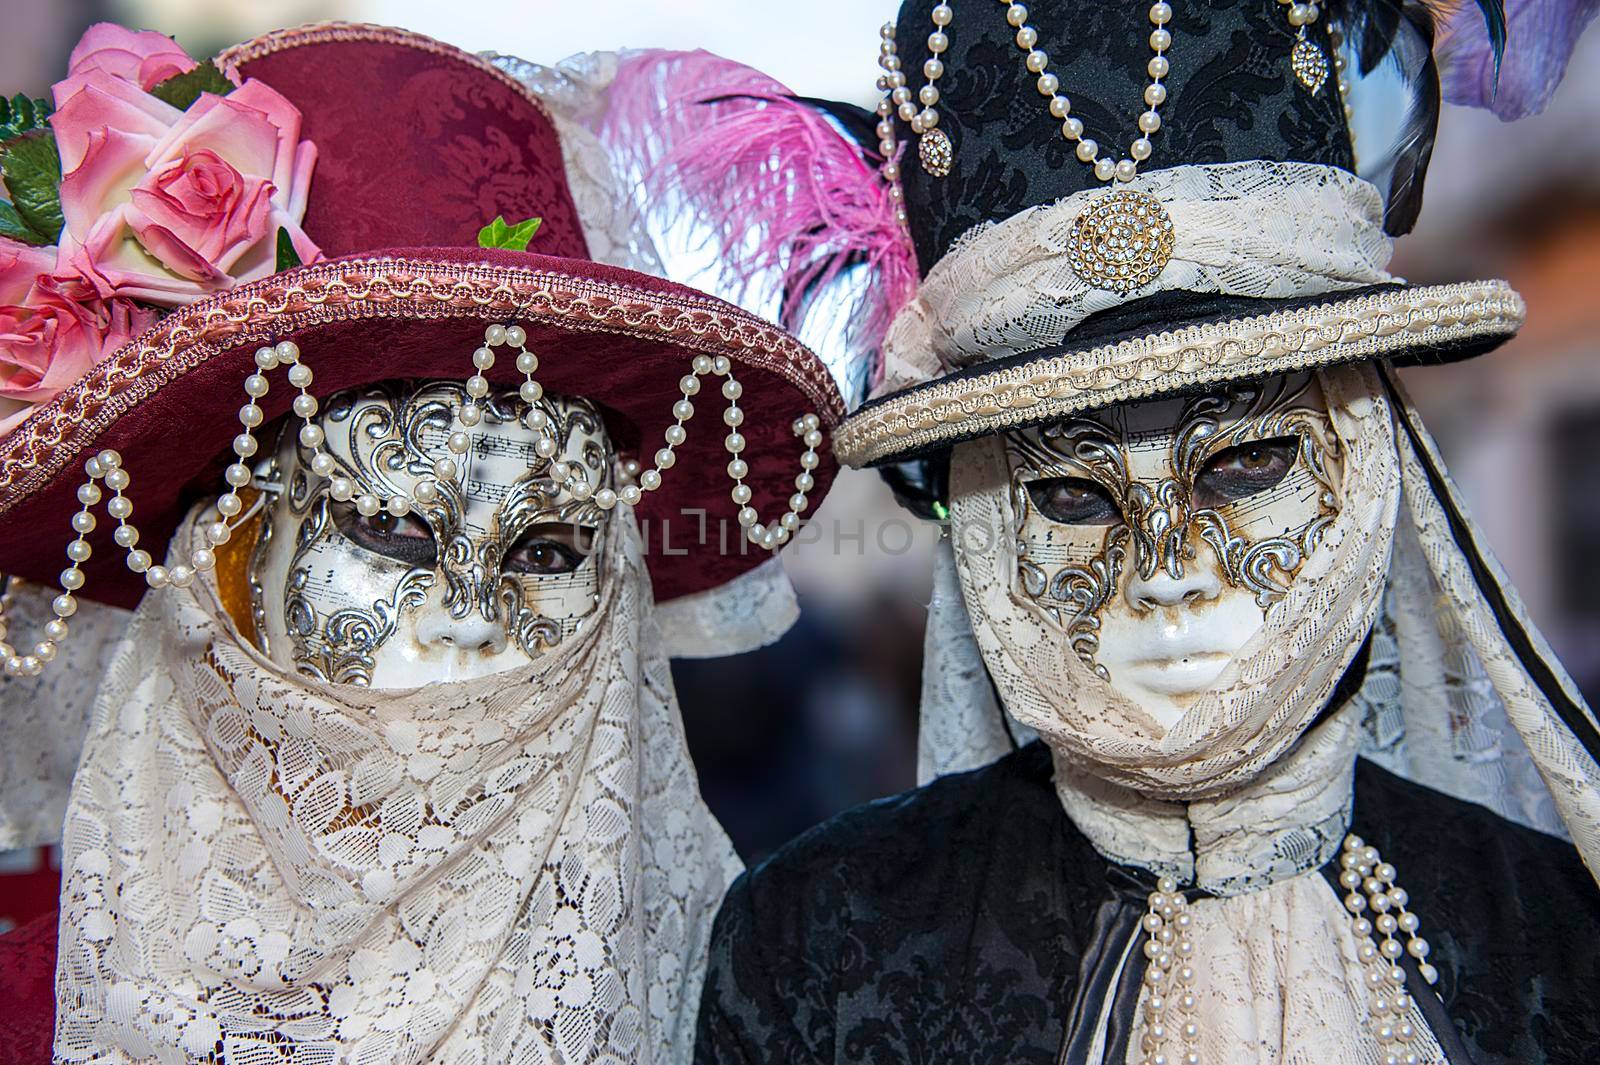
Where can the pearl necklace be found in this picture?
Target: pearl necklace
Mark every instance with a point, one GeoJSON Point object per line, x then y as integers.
{"type": "Point", "coordinates": [106, 469]}
{"type": "Point", "coordinates": [934, 147]}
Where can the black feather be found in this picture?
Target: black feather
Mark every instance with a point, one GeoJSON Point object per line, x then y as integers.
{"type": "Point", "coordinates": [1494, 23]}
{"type": "Point", "coordinates": [859, 124]}
{"type": "Point", "coordinates": [1414, 147]}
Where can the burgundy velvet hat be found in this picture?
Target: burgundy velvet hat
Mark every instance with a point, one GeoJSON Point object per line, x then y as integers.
{"type": "Point", "coordinates": [419, 145]}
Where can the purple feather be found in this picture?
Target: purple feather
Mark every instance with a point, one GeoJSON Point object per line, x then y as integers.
{"type": "Point", "coordinates": [786, 193]}
{"type": "Point", "coordinates": [1540, 36]}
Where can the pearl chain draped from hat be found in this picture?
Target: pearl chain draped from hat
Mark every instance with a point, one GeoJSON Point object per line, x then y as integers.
{"type": "Point", "coordinates": [935, 148]}
{"type": "Point", "coordinates": [106, 469]}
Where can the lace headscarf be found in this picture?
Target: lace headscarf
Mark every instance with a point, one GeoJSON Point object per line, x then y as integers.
{"type": "Point", "coordinates": [517, 867]}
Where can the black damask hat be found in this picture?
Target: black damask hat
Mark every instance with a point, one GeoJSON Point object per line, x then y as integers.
{"type": "Point", "coordinates": [1110, 202]}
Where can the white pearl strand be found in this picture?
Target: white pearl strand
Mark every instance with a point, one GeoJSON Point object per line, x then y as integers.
{"type": "Point", "coordinates": [898, 100]}
{"type": "Point", "coordinates": [1369, 881]}
{"type": "Point", "coordinates": [1169, 1003]}
{"type": "Point", "coordinates": [106, 468]}
{"type": "Point", "coordinates": [1155, 94]}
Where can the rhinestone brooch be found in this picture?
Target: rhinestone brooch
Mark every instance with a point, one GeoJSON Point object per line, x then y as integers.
{"type": "Point", "coordinates": [1121, 241]}
{"type": "Point", "coordinates": [1310, 65]}
{"type": "Point", "coordinates": [935, 151]}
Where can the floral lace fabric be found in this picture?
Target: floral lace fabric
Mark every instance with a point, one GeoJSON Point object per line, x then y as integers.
{"type": "Point", "coordinates": [263, 867]}
{"type": "Point", "coordinates": [1260, 229]}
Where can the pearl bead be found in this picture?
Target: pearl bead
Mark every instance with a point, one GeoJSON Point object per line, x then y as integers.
{"type": "Point", "coordinates": [266, 358]}
{"type": "Point", "coordinates": [938, 43]}
{"type": "Point", "coordinates": [734, 442]}
{"type": "Point", "coordinates": [1155, 94]}
{"type": "Point", "coordinates": [119, 507]}
{"type": "Point", "coordinates": [88, 494]}
{"type": "Point", "coordinates": [83, 522]}
{"type": "Point", "coordinates": [238, 475]}
{"type": "Point", "coordinates": [1160, 40]}
{"type": "Point", "coordinates": [288, 351]}
{"type": "Point", "coordinates": [426, 491]}
{"type": "Point", "coordinates": [933, 70]}
{"type": "Point", "coordinates": [798, 502]}
{"type": "Point", "coordinates": [928, 95]}
{"type": "Point", "coordinates": [527, 362]}
{"type": "Point", "coordinates": [747, 516]}
{"type": "Point", "coordinates": [116, 479]}
{"type": "Point", "coordinates": [741, 494]}
{"type": "Point", "coordinates": [1027, 37]}
{"type": "Point", "coordinates": [790, 520]}
{"type": "Point", "coordinates": [516, 336]}
{"type": "Point", "coordinates": [218, 533]}
{"type": "Point", "coordinates": [805, 482]}
{"type": "Point", "coordinates": [71, 578]}
{"type": "Point", "coordinates": [322, 464]}
{"type": "Point", "coordinates": [683, 410]}
{"type": "Point", "coordinates": [675, 434]}
{"type": "Point", "coordinates": [605, 499]}
{"type": "Point", "coordinates": [477, 386]}
{"type": "Point", "coordinates": [545, 446]}
{"type": "Point", "coordinates": [738, 469]}
{"type": "Point", "coordinates": [720, 365]}
{"type": "Point", "coordinates": [1126, 169]}
{"type": "Point", "coordinates": [458, 442]}
{"type": "Point", "coordinates": [483, 358]}
{"type": "Point", "coordinates": [495, 334]}
{"type": "Point", "coordinates": [1161, 13]}
{"type": "Point", "coordinates": [340, 488]}
{"type": "Point", "coordinates": [536, 419]}
{"type": "Point", "coordinates": [1150, 121]}
{"type": "Point", "coordinates": [733, 417]}
{"type": "Point", "coordinates": [255, 385]}
{"type": "Point", "coordinates": [1036, 61]}
{"type": "Point", "coordinates": [581, 490]}
{"type": "Point", "coordinates": [702, 364]}
{"type": "Point", "coordinates": [79, 550]}
{"type": "Point", "coordinates": [1017, 14]}
{"type": "Point", "coordinates": [1060, 107]}
{"type": "Point", "coordinates": [1087, 149]}
{"type": "Point", "coordinates": [250, 415]}
{"type": "Point", "coordinates": [181, 576]}
{"type": "Point", "coordinates": [300, 375]}
{"type": "Point", "coordinates": [138, 561]}
{"type": "Point", "coordinates": [650, 480]}
{"type": "Point", "coordinates": [444, 469]}
{"type": "Point", "coordinates": [312, 435]}
{"type": "Point", "coordinates": [367, 504]}
{"type": "Point", "coordinates": [203, 559]}
{"type": "Point", "coordinates": [56, 629]}
{"type": "Point", "coordinates": [665, 458]}
{"type": "Point", "coordinates": [813, 438]}
{"type": "Point", "coordinates": [629, 494]}
{"type": "Point", "coordinates": [1072, 129]}
{"type": "Point", "coordinates": [1140, 149]}
{"type": "Point", "coordinates": [1158, 66]}
{"type": "Point", "coordinates": [156, 576]}
{"type": "Point", "coordinates": [64, 606]}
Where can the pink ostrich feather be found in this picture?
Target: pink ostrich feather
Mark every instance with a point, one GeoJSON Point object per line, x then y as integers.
{"type": "Point", "coordinates": [786, 193]}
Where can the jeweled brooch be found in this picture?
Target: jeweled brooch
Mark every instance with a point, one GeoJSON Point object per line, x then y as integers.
{"type": "Point", "coordinates": [1310, 65]}
{"type": "Point", "coordinates": [936, 152]}
{"type": "Point", "coordinates": [1121, 241]}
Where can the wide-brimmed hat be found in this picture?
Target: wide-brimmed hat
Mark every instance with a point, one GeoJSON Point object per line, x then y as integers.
{"type": "Point", "coordinates": [1115, 204]}
{"type": "Point", "coordinates": [418, 147]}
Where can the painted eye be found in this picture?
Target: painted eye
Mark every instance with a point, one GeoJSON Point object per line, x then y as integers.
{"type": "Point", "coordinates": [548, 549]}
{"type": "Point", "coordinates": [1244, 470]}
{"type": "Point", "coordinates": [1074, 501]}
{"type": "Point", "coordinates": [405, 538]}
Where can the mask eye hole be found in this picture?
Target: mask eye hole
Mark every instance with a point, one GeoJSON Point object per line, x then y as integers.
{"type": "Point", "coordinates": [404, 538]}
{"type": "Point", "coordinates": [1243, 470]}
{"type": "Point", "coordinates": [547, 549]}
{"type": "Point", "coordinates": [1074, 501]}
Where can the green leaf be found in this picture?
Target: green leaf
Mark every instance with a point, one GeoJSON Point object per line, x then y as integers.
{"type": "Point", "coordinates": [498, 234]}
{"type": "Point", "coordinates": [20, 114]}
{"type": "Point", "coordinates": [31, 167]}
{"type": "Point", "coordinates": [12, 226]}
{"type": "Point", "coordinates": [288, 258]}
{"type": "Point", "coordinates": [182, 90]}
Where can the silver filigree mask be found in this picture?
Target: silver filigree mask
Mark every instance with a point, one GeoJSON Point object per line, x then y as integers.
{"type": "Point", "coordinates": [496, 568]}
{"type": "Point", "coordinates": [1158, 534]}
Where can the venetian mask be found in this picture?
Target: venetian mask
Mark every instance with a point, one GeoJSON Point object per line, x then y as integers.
{"type": "Point", "coordinates": [1158, 534]}
{"type": "Point", "coordinates": [498, 567]}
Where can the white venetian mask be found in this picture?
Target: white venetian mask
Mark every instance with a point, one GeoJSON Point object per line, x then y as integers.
{"type": "Point", "coordinates": [1159, 533]}
{"type": "Point", "coordinates": [497, 568]}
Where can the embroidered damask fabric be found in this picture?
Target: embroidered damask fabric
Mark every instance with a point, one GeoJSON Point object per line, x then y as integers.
{"type": "Point", "coordinates": [262, 866]}
{"type": "Point", "coordinates": [839, 949]}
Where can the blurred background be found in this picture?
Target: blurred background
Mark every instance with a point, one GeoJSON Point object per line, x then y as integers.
{"type": "Point", "coordinates": [826, 718]}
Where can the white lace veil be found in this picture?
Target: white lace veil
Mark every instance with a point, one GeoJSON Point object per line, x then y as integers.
{"type": "Point", "coordinates": [1462, 693]}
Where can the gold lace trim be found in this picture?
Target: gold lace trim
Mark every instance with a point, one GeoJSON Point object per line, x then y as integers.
{"type": "Point", "coordinates": [1366, 327]}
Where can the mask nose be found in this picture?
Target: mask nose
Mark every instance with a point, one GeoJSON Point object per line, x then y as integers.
{"type": "Point", "coordinates": [1199, 583]}
{"type": "Point", "coordinates": [474, 634]}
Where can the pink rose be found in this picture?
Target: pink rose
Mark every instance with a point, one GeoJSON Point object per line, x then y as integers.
{"type": "Point", "coordinates": [53, 334]}
{"type": "Point", "coordinates": [145, 58]}
{"type": "Point", "coordinates": [167, 206]}
{"type": "Point", "coordinates": [20, 267]}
